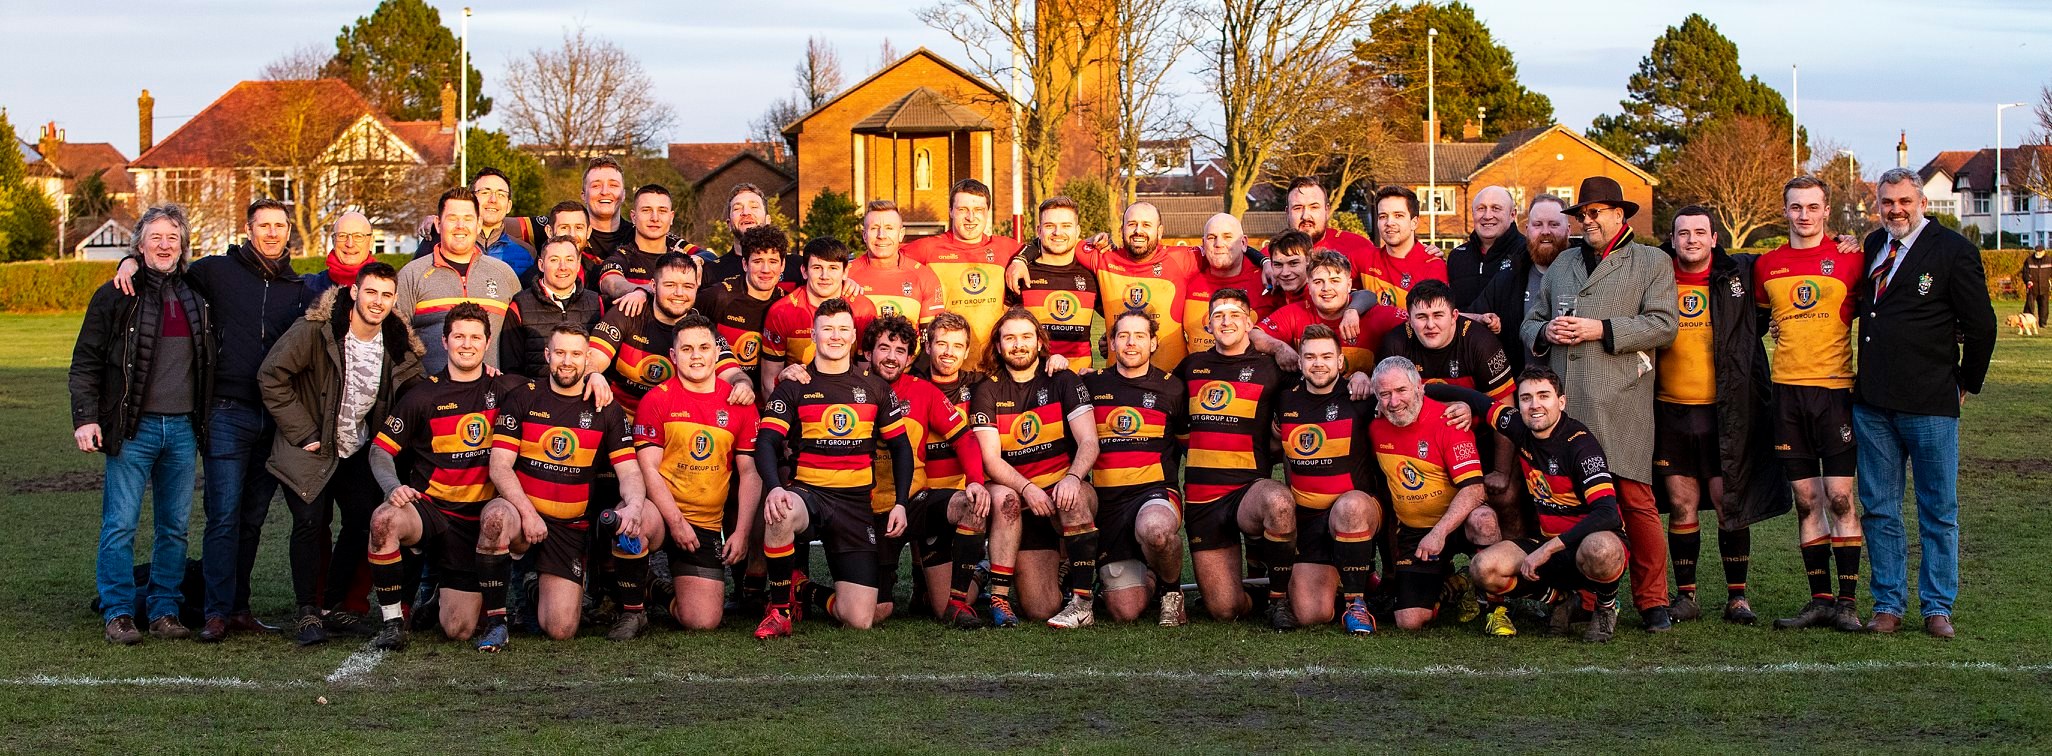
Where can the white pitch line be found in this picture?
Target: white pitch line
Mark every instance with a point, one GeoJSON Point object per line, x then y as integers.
{"type": "Point", "coordinates": [363, 662]}
{"type": "Point", "coordinates": [357, 665]}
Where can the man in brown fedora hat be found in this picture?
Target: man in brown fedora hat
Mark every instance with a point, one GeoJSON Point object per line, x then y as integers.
{"type": "Point", "coordinates": [1604, 310]}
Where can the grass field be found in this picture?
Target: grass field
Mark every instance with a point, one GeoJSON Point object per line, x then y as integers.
{"type": "Point", "coordinates": [912, 686]}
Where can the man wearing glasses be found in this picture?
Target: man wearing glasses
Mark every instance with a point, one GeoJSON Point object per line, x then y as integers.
{"type": "Point", "coordinates": [349, 247]}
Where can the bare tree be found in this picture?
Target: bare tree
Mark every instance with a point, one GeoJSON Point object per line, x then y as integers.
{"type": "Point", "coordinates": [585, 98]}
{"type": "Point", "coordinates": [1736, 167]}
{"type": "Point", "coordinates": [320, 167]}
{"type": "Point", "coordinates": [1146, 40]}
{"type": "Point", "coordinates": [818, 74]}
{"type": "Point", "coordinates": [1342, 136]}
{"type": "Point", "coordinates": [768, 128]}
{"type": "Point", "coordinates": [302, 63]}
{"type": "Point", "coordinates": [2030, 170]}
{"type": "Point", "coordinates": [1058, 42]}
{"type": "Point", "coordinates": [886, 54]}
{"type": "Point", "coordinates": [1268, 58]}
{"type": "Point", "coordinates": [1845, 182]}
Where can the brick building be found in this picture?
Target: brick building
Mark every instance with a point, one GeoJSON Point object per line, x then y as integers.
{"type": "Point", "coordinates": [1543, 160]}
{"type": "Point", "coordinates": [715, 168]}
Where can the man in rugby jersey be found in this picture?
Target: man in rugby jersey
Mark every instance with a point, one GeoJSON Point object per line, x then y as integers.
{"type": "Point", "coordinates": [893, 283]}
{"type": "Point", "coordinates": [548, 446]}
{"type": "Point", "coordinates": [605, 189]}
{"type": "Point", "coordinates": [946, 351]}
{"type": "Point", "coordinates": [1435, 476]}
{"type": "Point", "coordinates": [1226, 264]}
{"type": "Point", "coordinates": [834, 425]}
{"type": "Point", "coordinates": [787, 337]}
{"type": "Point", "coordinates": [1308, 213]}
{"type": "Point", "coordinates": [1329, 480]}
{"type": "Point", "coordinates": [630, 353]}
{"type": "Point", "coordinates": [1450, 347]}
{"type": "Point", "coordinates": [1038, 441]}
{"type": "Point", "coordinates": [1807, 288]}
{"type": "Point", "coordinates": [1141, 273]}
{"type": "Point", "coordinates": [1331, 301]}
{"type": "Point", "coordinates": [738, 304]}
{"type": "Point", "coordinates": [746, 211]}
{"type": "Point", "coordinates": [1139, 409]}
{"type": "Point", "coordinates": [445, 423]}
{"type": "Point", "coordinates": [696, 452]}
{"type": "Point", "coordinates": [1229, 440]}
{"type": "Point", "coordinates": [1401, 261]}
{"type": "Point", "coordinates": [1581, 541]}
{"type": "Point", "coordinates": [627, 278]}
{"type": "Point", "coordinates": [1061, 293]}
{"type": "Point", "coordinates": [970, 262]}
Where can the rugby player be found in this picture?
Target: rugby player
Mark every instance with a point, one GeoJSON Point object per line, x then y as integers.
{"type": "Point", "coordinates": [1807, 286]}
{"type": "Point", "coordinates": [1581, 543]}
{"type": "Point", "coordinates": [1038, 440]}
{"type": "Point", "coordinates": [1061, 293]}
{"type": "Point", "coordinates": [1143, 273]}
{"type": "Point", "coordinates": [1226, 264]}
{"type": "Point", "coordinates": [695, 453]}
{"type": "Point", "coordinates": [747, 211]}
{"type": "Point", "coordinates": [893, 283]}
{"type": "Point", "coordinates": [970, 262]}
{"type": "Point", "coordinates": [627, 278]}
{"type": "Point", "coordinates": [630, 353]}
{"type": "Point", "coordinates": [1401, 261]}
{"type": "Point", "coordinates": [570, 218]}
{"type": "Point", "coordinates": [1450, 347]}
{"type": "Point", "coordinates": [1433, 471]}
{"type": "Point", "coordinates": [1331, 298]}
{"type": "Point", "coordinates": [833, 425]}
{"type": "Point", "coordinates": [738, 304]}
{"type": "Point", "coordinates": [947, 350]}
{"type": "Point", "coordinates": [547, 449]}
{"type": "Point", "coordinates": [1329, 480]}
{"type": "Point", "coordinates": [445, 425]}
{"type": "Point", "coordinates": [787, 336]}
{"type": "Point", "coordinates": [1308, 213]}
{"type": "Point", "coordinates": [1229, 438]}
{"type": "Point", "coordinates": [1139, 410]}
{"type": "Point", "coordinates": [604, 187]}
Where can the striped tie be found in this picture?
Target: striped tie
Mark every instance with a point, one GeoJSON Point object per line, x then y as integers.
{"type": "Point", "coordinates": [1881, 274]}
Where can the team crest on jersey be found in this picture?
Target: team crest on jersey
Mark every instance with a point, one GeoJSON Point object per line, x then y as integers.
{"type": "Point", "coordinates": [1309, 440]}
{"type": "Point", "coordinates": [1082, 283]}
{"type": "Point", "coordinates": [989, 255]}
{"type": "Point", "coordinates": [1923, 284]}
{"type": "Point", "coordinates": [1331, 412]}
{"type": "Point", "coordinates": [1453, 368]}
{"type": "Point", "coordinates": [1405, 281]}
{"type": "Point", "coordinates": [1136, 296]}
{"type": "Point", "coordinates": [1424, 450]}
{"type": "Point", "coordinates": [491, 399]}
{"type": "Point", "coordinates": [1826, 266]}
{"type": "Point", "coordinates": [972, 281]}
{"type": "Point", "coordinates": [1246, 375]}
{"type": "Point", "coordinates": [1040, 397]}
{"type": "Point", "coordinates": [1845, 433]}
{"type": "Point", "coordinates": [701, 446]}
{"type": "Point", "coordinates": [584, 419]}
{"type": "Point", "coordinates": [559, 444]}
{"type": "Point", "coordinates": [1552, 467]}
{"type": "Point", "coordinates": [1147, 400]}
{"type": "Point", "coordinates": [905, 287]}
{"type": "Point", "coordinates": [720, 418]}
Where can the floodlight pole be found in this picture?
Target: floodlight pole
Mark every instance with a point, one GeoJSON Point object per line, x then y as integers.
{"type": "Point", "coordinates": [463, 104]}
{"type": "Point", "coordinates": [1431, 138]}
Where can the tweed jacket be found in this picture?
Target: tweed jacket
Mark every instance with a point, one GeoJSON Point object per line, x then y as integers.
{"type": "Point", "coordinates": [1610, 383]}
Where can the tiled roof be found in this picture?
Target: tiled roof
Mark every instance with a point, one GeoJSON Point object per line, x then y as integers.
{"type": "Point", "coordinates": [1948, 162]}
{"type": "Point", "coordinates": [225, 132]}
{"type": "Point", "coordinates": [80, 159]}
{"type": "Point", "coordinates": [922, 111]}
{"type": "Point", "coordinates": [696, 160]}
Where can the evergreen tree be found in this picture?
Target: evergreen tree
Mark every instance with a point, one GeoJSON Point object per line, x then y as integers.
{"type": "Point", "coordinates": [1690, 77]}
{"type": "Point", "coordinates": [1471, 72]}
{"type": "Point", "coordinates": [399, 56]}
{"type": "Point", "coordinates": [28, 222]}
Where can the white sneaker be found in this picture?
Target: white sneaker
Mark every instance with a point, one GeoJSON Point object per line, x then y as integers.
{"type": "Point", "coordinates": [1074, 615]}
{"type": "Point", "coordinates": [1172, 610]}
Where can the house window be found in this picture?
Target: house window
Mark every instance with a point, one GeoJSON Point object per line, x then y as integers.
{"type": "Point", "coordinates": [275, 183]}
{"type": "Point", "coordinates": [1565, 193]}
{"type": "Point", "coordinates": [1945, 206]}
{"type": "Point", "coordinates": [1517, 194]}
{"type": "Point", "coordinates": [2020, 202]}
{"type": "Point", "coordinates": [1982, 203]}
{"type": "Point", "coordinates": [182, 185]}
{"type": "Point", "coordinates": [1436, 200]}
{"type": "Point", "coordinates": [922, 169]}
{"type": "Point", "coordinates": [1210, 183]}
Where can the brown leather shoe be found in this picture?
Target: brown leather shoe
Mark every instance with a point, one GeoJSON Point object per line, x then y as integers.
{"type": "Point", "coordinates": [168, 627]}
{"type": "Point", "coordinates": [1884, 623]}
{"type": "Point", "coordinates": [244, 622]}
{"type": "Point", "coordinates": [121, 630]}
{"type": "Point", "coordinates": [215, 631]}
{"type": "Point", "coordinates": [1938, 625]}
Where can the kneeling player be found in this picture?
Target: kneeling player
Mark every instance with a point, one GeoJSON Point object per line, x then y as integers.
{"type": "Point", "coordinates": [835, 425]}
{"type": "Point", "coordinates": [692, 446]}
{"type": "Point", "coordinates": [1435, 477]}
{"type": "Point", "coordinates": [545, 453]}
{"type": "Point", "coordinates": [1038, 441]}
{"type": "Point", "coordinates": [1138, 406]}
{"type": "Point", "coordinates": [446, 423]}
{"type": "Point", "coordinates": [961, 537]}
{"type": "Point", "coordinates": [1336, 521]}
{"type": "Point", "coordinates": [1581, 544]}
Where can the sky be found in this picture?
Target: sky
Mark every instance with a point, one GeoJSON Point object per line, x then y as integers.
{"type": "Point", "coordinates": [1869, 69]}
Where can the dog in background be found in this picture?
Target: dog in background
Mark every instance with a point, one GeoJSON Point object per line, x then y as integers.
{"type": "Point", "coordinates": [2026, 324]}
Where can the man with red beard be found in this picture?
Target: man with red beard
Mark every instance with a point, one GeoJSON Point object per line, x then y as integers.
{"type": "Point", "coordinates": [1510, 292]}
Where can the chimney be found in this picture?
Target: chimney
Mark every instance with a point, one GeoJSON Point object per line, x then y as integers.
{"type": "Point", "coordinates": [1431, 130]}
{"type": "Point", "coordinates": [1902, 151]}
{"type": "Point", "coordinates": [1471, 131]}
{"type": "Point", "coordinates": [448, 108]}
{"type": "Point", "coordinates": [48, 141]}
{"type": "Point", "coordinates": [145, 120]}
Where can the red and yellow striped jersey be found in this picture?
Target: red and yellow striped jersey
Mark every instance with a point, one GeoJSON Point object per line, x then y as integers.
{"type": "Point", "coordinates": [738, 317]}
{"type": "Point", "coordinates": [559, 440]}
{"type": "Point", "coordinates": [447, 425]}
{"type": "Point", "coordinates": [1686, 373]}
{"type": "Point", "coordinates": [1287, 323]}
{"type": "Point", "coordinates": [1155, 284]}
{"type": "Point", "coordinates": [909, 290]}
{"type": "Point", "coordinates": [787, 328]}
{"type": "Point", "coordinates": [1809, 295]}
{"type": "Point", "coordinates": [1138, 420]}
{"type": "Point", "coordinates": [942, 469]}
{"type": "Point", "coordinates": [637, 267]}
{"type": "Point", "coordinates": [1320, 459]}
{"type": "Point", "coordinates": [1474, 359]}
{"type": "Point", "coordinates": [1197, 300]}
{"type": "Point", "coordinates": [1390, 277]}
{"type": "Point", "coordinates": [1230, 426]}
{"type": "Point", "coordinates": [1565, 472]}
{"type": "Point", "coordinates": [933, 424]}
{"type": "Point", "coordinates": [836, 425]}
{"type": "Point", "coordinates": [1426, 463]}
{"type": "Point", "coordinates": [972, 277]}
{"type": "Point", "coordinates": [1031, 421]}
{"type": "Point", "coordinates": [1063, 298]}
{"type": "Point", "coordinates": [704, 440]}
{"type": "Point", "coordinates": [639, 348]}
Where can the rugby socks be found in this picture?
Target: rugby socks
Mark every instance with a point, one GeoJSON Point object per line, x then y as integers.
{"type": "Point", "coordinates": [1001, 581]}
{"type": "Point", "coordinates": [1817, 565]}
{"type": "Point", "coordinates": [1606, 591]}
{"type": "Point", "coordinates": [1355, 553]}
{"type": "Point", "coordinates": [1735, 547]}
{"type": "Point", "coordinates": [1281, 555]}
{"type": "Point", "coordinates": [1684, 546]}
{"type": "Point", "coordinates": [630, 580]}
{"type": "Point", "coordinates": [492, 566]}
{"type": "Point", "coordinates": [782, 564]}
{"type": "Point", "coordinates": [815, 596]}
{"type": "Point", "coordinates": [965, 551]}
{"type": "Point", "coordinates": [1846, 552]}
{"type": "Point", "coordinates": [1080, 541]}
{"type": "Point", "coordinates": [388, 580]}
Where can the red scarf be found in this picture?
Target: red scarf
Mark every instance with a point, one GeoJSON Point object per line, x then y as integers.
{"type": "Point", "coordinates": [342, 273]}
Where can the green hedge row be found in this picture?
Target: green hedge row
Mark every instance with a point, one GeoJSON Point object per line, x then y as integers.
{"type": "Point", "coordinates": [66, 285]}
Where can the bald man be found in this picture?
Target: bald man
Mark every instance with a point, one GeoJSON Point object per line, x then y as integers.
{"type": "Point", "coordinates": [349, 247]}
{"type": "Point", "coordinates": [1139, 273]}
{"type": "Point", "coordinates": [1224, 264]}
{"type": "Point", "coordinates": [1492, 247]}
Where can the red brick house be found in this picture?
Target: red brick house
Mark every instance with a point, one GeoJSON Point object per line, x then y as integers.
{"type": "Point", "coordinates": [715, 168]}
{"type": "Point", "coordinates": [1543, 160]}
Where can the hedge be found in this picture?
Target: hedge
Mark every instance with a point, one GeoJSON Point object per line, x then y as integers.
{"type": "Point", "coordinates": [66, 285]}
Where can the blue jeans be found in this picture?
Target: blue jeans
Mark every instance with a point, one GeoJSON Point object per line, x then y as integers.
{"type": "Point", "coordinates": [160, 457]}
{"type": "Point", "coordinates": [1930, 446]}
{"type": "Point", "coordinates": [238, 445]}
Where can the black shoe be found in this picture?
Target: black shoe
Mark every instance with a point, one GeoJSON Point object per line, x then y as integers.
{"type": "Point", "coordinates": [427, 615]}
{"type": "Point", "coordinates": [347, 623]}
{"type": "Point", "coordinates": [1819, 611]}
{"type": "Point", "coordinates": [1656, 620]}
{"type": "Point", "coordinates": [1739, 611]}
{"type": "Point", "coordinates": [1845, 618]}
{"type": "Point", "coordinates": [391, 635]}
{"type": "Point", "coordinates": [308, 630]}
{"type": "Point", "coordinates": [1280, 616]}
{"type": "Point", "coordinates": [1683, 608]}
